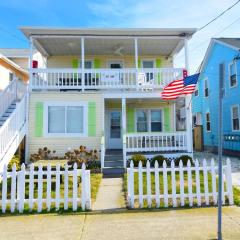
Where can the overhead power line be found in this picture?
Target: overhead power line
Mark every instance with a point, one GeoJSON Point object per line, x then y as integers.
{"type": "Point", "coordinates": [222, 13]}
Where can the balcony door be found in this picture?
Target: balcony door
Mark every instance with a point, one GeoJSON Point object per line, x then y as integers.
{"type": "Point", "coordinates": [149, 65]}
{"type": "Point", "coordinates": [114, 129]}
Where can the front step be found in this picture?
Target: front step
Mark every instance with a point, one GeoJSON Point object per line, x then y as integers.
{"type": "Point", "coordinates": [114, 163]}
{"type": "Point", "coordinates": [113, 171]}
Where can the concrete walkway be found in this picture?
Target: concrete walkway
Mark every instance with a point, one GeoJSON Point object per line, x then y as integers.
{"type": "Point", "coordinates": [187, 224]}
{"type": "Point", "coordinates": [110, 195]}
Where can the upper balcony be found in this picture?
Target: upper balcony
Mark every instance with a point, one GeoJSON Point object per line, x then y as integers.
{"type": "Point", "coordinates": [103, 59]}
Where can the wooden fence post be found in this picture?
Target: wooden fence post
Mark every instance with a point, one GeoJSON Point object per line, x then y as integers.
{"type": "Point", "coordinates": [31, 187]}
{"type": "Point", "coordinates": [165, 184]}
{"type": "Point", "coordinates": [182, 199]}
{"type": "Point", "coordinates": [48, 201]}
{"type": "Point", "coordinates": [13, 188]}
{"type": "Point", "coordinates": [140, 184]}
{"type": "Point", "coordinates": [66, 187]}
{"type": "Point", "coordinates": [189, 171]}
{"type": "Point", "coordinates": [174, 200]}
{"type": "Point", "coordinates": [83, 176]}
{"type": "Point", "coordinates": [75, 184]}
{"type": "Point", "coordinates": [40, 187]}
{"type": "Point", "coordinates": [57, 194]}
{"type": "Point", "coordinates": [205, 176]}
{"type": "Point", "coordinates": [131, 177]}
{"type": "Point", "coordinates": [229, 181]}
{"type": "Point", "coordinates": [149, 192]}
{"type": "Point", "coordinates": [198, 189]}
{"type": "Point", "coordinates": [4, 189]}
{"type": "Point", "coordinates": [157, 185]}
{"type": "Point", "coordinates": [22, 188]}
{"type": "Point", "coordinates": [213, 174]}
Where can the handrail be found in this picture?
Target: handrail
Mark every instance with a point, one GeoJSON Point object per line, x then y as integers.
{"type": "Point", "coordinates": [8, 96]}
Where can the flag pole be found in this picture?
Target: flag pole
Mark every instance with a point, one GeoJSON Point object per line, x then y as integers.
{"type": "Point", "coordinates": [221, 74]}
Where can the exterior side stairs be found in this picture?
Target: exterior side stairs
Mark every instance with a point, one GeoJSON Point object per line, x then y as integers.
{"type": "Point", "coordinates": [13, 121]}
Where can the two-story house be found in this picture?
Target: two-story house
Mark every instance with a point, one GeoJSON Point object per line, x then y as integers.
{"type": "Point", "coordinates": [205, 100]}
{"type": "Point", "coordinates": [101, 88]}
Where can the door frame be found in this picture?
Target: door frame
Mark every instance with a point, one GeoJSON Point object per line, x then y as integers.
{"type": "Point", "coordinates": [107, 126]}
{"type": "Point", "coordinates": [110, 61]}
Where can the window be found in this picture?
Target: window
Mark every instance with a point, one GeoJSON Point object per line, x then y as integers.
{"type": "Point", "coordinates": [11, 76]}
{"type": "Point", "coordinates": [156, 120]}
{"type": "Point", "coordinates": [149, 120]}
{"type": "Point", "coordinates": [232, 74]}
{"type": "Point", "coordinates": [150, 65]}
{"type": "Point", "coordinates": [235, 118]}
{"type": "Point", "coordinates": [88, 64]}
{"type": "Point", "coordinates": [208, 122]}
{"type": "Point", "coordinates": [142, 121]}
{"type": "Point", "coordinates": [196, 91]}
{"type": "Point", "coordinates": [67, 120]}
{"type": "Point", "coordinates": [206, 91]}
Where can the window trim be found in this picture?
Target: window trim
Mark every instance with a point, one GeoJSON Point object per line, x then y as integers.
{"type": "Point", "coordinates": [66, 104]}
{"type": "Point", "coordinates": [149, 59]}
{"type": "Point", "coordinates": [206, 80]}
{"type": "Point", "coordinates": [207, 121]}
{"type": "Point", "coordinates": [236, 105]}
{"type": "Point", "coordinates": [196, 89]}
{"type": "Point", "coordinates": [229, 76]}
{"type": "Point", "coordinates": [149, 121]}
{"type": "Point", "coordinates": [86, 60]}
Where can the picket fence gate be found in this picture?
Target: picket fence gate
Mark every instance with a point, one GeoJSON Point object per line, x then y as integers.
{"type": "Point", "coordinates": [161, 194]}
{"type": "Point", "coordinates": [25, 188]}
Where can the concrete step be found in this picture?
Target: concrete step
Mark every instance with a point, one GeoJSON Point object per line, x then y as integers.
{"type": "Point", "coordinates": [113, 163]}
{"type": "Point", "coordinates": [113, 171]}
{"type": "Point", "coordinates": [113, 158]}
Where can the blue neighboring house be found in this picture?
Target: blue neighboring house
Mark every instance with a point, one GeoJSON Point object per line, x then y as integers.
{"type": "Point", "coordinates": [205, 99]}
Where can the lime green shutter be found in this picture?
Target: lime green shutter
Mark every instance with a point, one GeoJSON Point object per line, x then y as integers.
{"type": "Point", "coordinates": [130, 120]}
{"type": "Point", "coordinates": [39, 119]}
{"type": "Point", "coordinates": [75, 65]}
{"type": "Point", "coordinates": [97, 64]}
{"type": "Point", "coordinates": [158, 65]}
{"type": "Point", "coordinates": [167, 119]}
{"type": "Point", "coordinates": [139, 63]}
{"type": "Point", "coordinates": [91, 119]}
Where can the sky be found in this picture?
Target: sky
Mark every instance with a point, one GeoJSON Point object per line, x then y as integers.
{"type": "Point", "coordinates": [122, 13]}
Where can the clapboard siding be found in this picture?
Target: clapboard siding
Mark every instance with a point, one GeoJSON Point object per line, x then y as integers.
{"type": "Point", "coordinates": [128, 60]}
{"type": "Point", "coordinates": [61, 144]}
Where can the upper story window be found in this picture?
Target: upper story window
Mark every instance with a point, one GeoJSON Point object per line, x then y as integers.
{"type": "Point", "coordinates": [206, 89]}
{"type": "Point", "coordinates": [208, 122]}
{"type": "Point", "coordinates": [11, 76]}
{"type": "Point", "coordinates": [66, 120]}
{"type": "Point", "coordinates": [88, 64]}
{"type": "Point", "coordinates": [196, 93]}
{"type": "Point", "coordinates": [235, 118]}
{"type": "Point", "coordinates": [232, 74]}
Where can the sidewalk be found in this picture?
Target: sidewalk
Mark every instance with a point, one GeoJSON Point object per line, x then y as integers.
{"type": "Point", "coordinates": [187, 224]}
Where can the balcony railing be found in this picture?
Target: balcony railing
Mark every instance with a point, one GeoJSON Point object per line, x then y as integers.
{"type": "Point", "coordinates": [152, 142]}
{"type": "Point", "coordinates": [126, 78]}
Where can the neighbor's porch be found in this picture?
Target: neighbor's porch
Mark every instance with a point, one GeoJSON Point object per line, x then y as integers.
{"type": "Point", "coordinates": [149, 126]}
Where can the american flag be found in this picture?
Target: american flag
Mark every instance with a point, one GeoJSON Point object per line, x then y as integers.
{"type": "Point", "coordinates": [180, 87]}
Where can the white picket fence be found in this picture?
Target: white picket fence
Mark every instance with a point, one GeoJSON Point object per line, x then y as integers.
{"type": "Point", "coordinates": [30, 188]}
{"type": "Point", "coordinates": [181, 188]}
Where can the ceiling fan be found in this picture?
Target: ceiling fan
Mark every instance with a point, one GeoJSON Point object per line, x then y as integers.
{"type": "Point", "coordinates": [118, 50]}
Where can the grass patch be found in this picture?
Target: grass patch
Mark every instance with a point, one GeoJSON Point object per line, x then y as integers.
{"type": "Point", "coordinates": [95, 182]}
{"type": "Point", "coordinates": [236, 191]}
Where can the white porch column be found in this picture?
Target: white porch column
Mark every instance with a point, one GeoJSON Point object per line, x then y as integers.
{"type": "Point", "coordinates": [30, 63]}
{"type": "Point", "coordinates": [103, 134]}
{"type": "Point", "coordinates": [188, 103]}
{"type": "Point", "coordinates": [136, 60]}
{"type": "Point", "coordinates": [124, 130]}
{"type": "Point", "coordinates": [83, 62]}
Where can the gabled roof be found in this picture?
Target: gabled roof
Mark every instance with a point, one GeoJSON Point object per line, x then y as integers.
{"type": "Point", "coordinates": [15, 52]}
{"type": "Point", "coordinates": [233, 43]}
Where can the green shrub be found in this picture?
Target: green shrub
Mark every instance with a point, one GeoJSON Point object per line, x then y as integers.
{"type": "Point", "coordinates": [160, 159]}
{"type": "Point", "coordinates": [15, 160]}
{"type": "Point", "coordinates": [184, 159]}
{"type": "Point", "coordinates": [136, 158]}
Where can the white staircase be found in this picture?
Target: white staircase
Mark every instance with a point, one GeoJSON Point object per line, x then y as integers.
{"type": "Point", "coordinates": [13, 121]}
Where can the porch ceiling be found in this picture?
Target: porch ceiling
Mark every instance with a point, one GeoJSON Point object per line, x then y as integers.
{"type": "Point", "coordinates": [107, 41]}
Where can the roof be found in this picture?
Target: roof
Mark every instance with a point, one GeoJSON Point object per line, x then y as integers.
{"type": "Point", "coordinates": [15, 52]}
{"type": "Point", "coordinates": [234, 42]}
{"type": "Point", "coordinates": [31, 31]}
{"type": "Point", "coordinates": [66, 41]}
{"type": "Point", "coordinates": [229, 42]}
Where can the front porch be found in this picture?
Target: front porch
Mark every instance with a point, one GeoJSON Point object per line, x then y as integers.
{"type": "Point", "coordinates": [147, 126]}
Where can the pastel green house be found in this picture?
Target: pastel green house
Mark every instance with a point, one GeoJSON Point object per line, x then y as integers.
{"type": "Point", "coordinates": [101, 88]}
